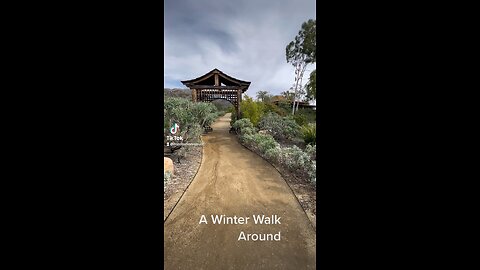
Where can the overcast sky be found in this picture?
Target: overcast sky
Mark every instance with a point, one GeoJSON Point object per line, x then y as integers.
{"type": "Point", "coordinates": [245, 39]}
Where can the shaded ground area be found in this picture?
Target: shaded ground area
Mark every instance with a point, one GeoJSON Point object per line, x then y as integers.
{"type": "Point", "coordinates": [234, 181]}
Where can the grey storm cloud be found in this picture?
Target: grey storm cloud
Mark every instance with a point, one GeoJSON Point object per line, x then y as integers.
{"type": "Point", "coordinates": [244, 38]}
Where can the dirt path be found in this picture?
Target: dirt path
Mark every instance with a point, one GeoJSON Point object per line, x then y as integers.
{"type": "Point", "coordinates": [233, 181]}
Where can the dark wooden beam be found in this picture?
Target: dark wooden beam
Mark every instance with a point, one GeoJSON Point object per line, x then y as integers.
{"type": "Point", "coordinates": [218, 87]}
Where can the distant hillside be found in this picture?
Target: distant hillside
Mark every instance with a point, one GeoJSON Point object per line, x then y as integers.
{"type": "Point", "coordinates": [177, 92]}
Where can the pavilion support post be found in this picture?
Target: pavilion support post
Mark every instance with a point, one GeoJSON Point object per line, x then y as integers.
{"type": "Point", "coordinates": [239, 100]}
{"type": "Point", "coordinates": [194, 95]}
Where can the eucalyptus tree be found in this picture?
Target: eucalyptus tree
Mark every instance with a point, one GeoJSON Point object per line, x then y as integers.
{"type": "Point", "coordinates": [312, 85]}
{"type": "Point", "coordinates": [301, 52]}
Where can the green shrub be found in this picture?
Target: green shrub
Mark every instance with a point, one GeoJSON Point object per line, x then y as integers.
{"type": "Point", "coordinates": [248, 130]}
{"type": "Point", "coordinates": [242, 123]}
{"type": "Point", "coordinates": [280, 127]}
{"type": "Point", "coordinates": [309, 133]}
{"type": "Point", "coordinates": [191, 116]}
{"type": "Point", "coordinates": [311, 150]}
{"type": "Point", "coordinates": [264, 142]}
{"type": "Point", "coordinates": [271, 107]}
{"type": "Point", "coordinates": [291, 129]}
{"type": "Point", "coordinates": [300, 119]}
{"type": "Point", "coordinates": [293, 157]}
{"type": "Point", "coordinates": [312, 172]}
{"type": "Point", "coordinates": [261, 142]}
{"type": "Point", "coordinates": [205, 113]}
{"type": "Point", "coordinates": [285, 106]}
{"type": "Point", "coordinates": [251, 109]}
{"type": "Point", "coordinates": [297, 160]}
{"type": "Point", "coordinates": [179, 110]}
{"type": "Point", "coordinates": [233, 118]}
{"type": "Point", "coordinates": [273, 154]}
{"type": "Point", "coordinates": [221, 113]}
{"type": "Point", "coordinates": [246, 138]}
{"type": "Point", "coordinates": [306, 114]}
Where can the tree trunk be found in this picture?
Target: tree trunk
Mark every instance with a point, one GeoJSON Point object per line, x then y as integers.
{"type": "Point", "coordinates": [297, 71]}
{"type": "Point", "coordinates": [301, 79]}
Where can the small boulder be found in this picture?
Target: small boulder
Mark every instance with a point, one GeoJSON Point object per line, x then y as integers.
{"type": "Point", "coordinates": [167, 165]}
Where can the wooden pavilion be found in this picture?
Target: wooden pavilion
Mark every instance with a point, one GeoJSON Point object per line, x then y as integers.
{"type": "Point", "coordinates": [218, 85]}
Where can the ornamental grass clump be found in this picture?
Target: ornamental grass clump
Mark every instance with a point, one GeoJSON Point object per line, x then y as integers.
{"type": "Point", "coordinates": [309, 133]}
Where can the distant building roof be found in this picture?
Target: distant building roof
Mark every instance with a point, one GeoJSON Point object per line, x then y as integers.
{"type": "Point", "coordinates": [278, 98]}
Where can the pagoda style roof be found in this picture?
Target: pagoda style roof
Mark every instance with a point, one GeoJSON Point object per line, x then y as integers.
{"type": "Point", "coordinates": [216, 79]}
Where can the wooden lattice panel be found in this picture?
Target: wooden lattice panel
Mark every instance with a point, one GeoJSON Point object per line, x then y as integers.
{"type": "Point", "coordinates": [208, 95]}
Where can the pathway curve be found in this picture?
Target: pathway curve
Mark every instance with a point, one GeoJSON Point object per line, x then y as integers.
{"type": "Point", "coordinates": [234, 181]}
